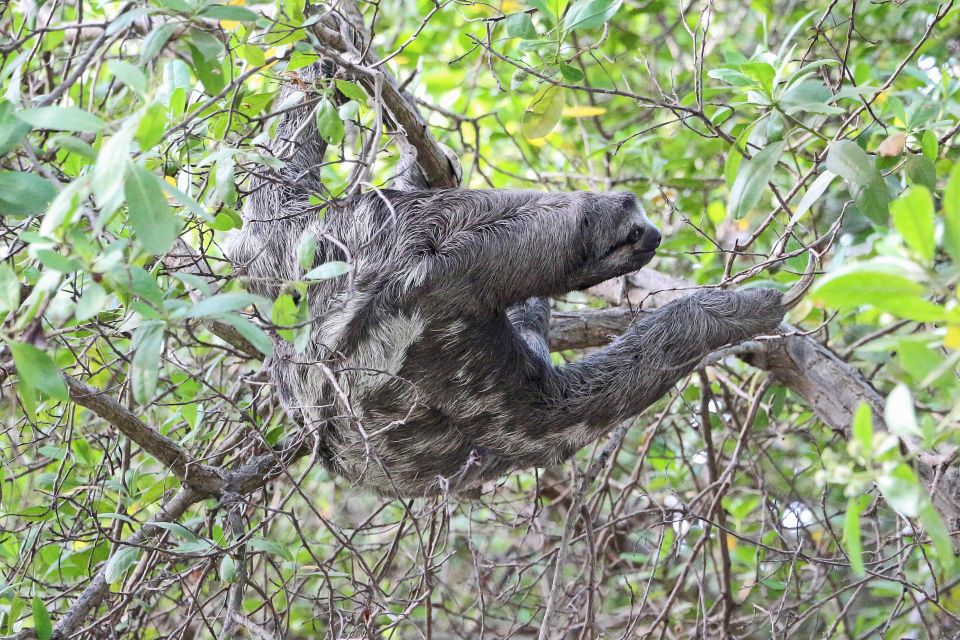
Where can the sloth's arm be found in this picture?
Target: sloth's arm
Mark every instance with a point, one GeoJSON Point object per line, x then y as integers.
{"type": "Point", "coordinates": [642, 365]}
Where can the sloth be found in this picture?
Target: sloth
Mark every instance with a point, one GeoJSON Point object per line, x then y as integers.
{"type": "Point", "coordinates": [427, 370]}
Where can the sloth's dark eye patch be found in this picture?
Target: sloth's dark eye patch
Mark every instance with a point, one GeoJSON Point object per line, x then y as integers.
{"type": "Point", "coordinates": [634, 236]}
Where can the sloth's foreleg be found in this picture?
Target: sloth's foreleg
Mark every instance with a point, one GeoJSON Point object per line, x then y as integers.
{"type": "Point", "coordinates": [637, 369]}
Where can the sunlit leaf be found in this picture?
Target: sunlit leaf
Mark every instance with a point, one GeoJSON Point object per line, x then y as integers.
{"type": "Point", "coordinates": [154, 225]}
{"type": "Point", "coordinates": [37, 370]}
{"type": "Point", "coordinates": [752, 179]}
{"type": "Point", "coordinates": [145, 365]}
{"type": "Point", "coordinates": [544, 111]}
{"type": "Point", "coordinates": [899, 413]}
{"type": "Point", "coordinates": [62, 119]}
{"type": "Point", "coordinates": [912, 215]}
{"type": "Point", "coordinates": [120, 562]}
{"type": "Point", "coordinates": [951, 214]}
{"type": "Point", "coordinates": [23, 193]}
{"type": "Point", "coordinates": [586, 14]}
{"type": "Point", "coordinates": [42, 624]}
{"type": "Point", "coordinates": [329, 123]}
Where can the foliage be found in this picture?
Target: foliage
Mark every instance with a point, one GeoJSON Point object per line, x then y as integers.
{"type": "Point", "coordinates": [754, 132]}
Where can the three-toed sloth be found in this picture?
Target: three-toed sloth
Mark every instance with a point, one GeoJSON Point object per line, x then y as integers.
{"type": "Point", "coordinates": [428, 369]}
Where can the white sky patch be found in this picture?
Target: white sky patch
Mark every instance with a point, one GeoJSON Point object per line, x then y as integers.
{"type": "Point", "coordinates": [798, 515]}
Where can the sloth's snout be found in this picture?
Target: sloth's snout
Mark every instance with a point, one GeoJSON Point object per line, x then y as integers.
{"type": "Point", "coordinates": [645, 237]}
{"type": "Point", "coordinates": [650, 238]}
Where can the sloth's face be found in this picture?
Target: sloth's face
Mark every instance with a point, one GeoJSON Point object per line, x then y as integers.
{"type": "Point", "coordinates": [618, 236]}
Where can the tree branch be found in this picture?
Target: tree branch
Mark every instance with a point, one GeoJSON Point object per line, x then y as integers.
{"type": "Point", "coordinates": [204, 479]}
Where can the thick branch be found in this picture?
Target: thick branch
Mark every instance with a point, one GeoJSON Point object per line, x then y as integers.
{"type": "Point", "coordinates": [200, 477]}
{"type": "Point", "coordinates": [435, 164]}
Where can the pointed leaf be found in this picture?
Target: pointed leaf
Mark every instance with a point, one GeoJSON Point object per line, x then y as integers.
{"type": "Point", "coordinates": [154, 225]}
{"type": "Point", "coordinates": [752, 179]}
{"type": "Point", "coordinates": [543, 113]}
{"type": "Point", "coordinates": [912, 215]}
{"type": "Point", "coordinates": [37, 370]}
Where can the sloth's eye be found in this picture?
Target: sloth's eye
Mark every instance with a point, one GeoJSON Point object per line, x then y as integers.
{"type": "Point", "coordinates": [635, 234]}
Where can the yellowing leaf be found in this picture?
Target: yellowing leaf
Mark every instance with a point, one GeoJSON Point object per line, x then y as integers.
{"type": "Point", "coordinates": [583, 112]}
{"type": "Point", "coordinates": [229, 25]}
{"type": "Point", "coordinates": [543, 112]}
{"type": "Point", "coordinates": [508, 6]}
{"type": "Point", "coordinates": [952, 339]}
{"type": "Point", "coordinates": [893, 145]}
{"type": "Point", "coordinates": [881, 98]}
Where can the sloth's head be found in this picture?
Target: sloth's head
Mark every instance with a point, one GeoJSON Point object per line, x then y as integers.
{"type": "Point", "coordinates": [619, 237]}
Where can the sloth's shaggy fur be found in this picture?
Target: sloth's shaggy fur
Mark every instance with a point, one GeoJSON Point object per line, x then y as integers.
{"type": "Point", "coordinates": [427, 368]}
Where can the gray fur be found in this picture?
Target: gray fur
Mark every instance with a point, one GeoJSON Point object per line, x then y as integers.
{"type": "Point", "coordinates": [428, 368]}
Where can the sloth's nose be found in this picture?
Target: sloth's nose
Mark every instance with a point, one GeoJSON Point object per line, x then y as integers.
{"type": "Point", "coordinates": [651, 238]}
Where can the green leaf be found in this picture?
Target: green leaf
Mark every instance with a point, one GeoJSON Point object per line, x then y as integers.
{"type": "Point", "coordinates": [156, 39]}
{"type": "Point", "coordinates": [38, 371]}
{"type": "Point", "coordinates": [42, 625]}
{"type": "Point", "coordinates": [873, 200]}
{"type": "Point", "coordinates": [129, 75]}
{"type": "Point", "coordinates": [852, 541]}
{"type": "Point", "coordinates": [12, 128]}
{"type": "Point", "coordinates": [327, 270]}
{"type": "Point", "coordinates": [587, 14]}
{"type": "Point", "coordinates": [899, 413]}
{"type": "Point", "coordinates": [813, 194]}
{"type": "Point", "coordinates": [890, 285]}
{"type": "Point", "coordinates": [912, 215]}
{"type": "Point", "coordinates": [207, 46]}
{"type": "Point", "coordinates": [519, 25]}
{"type": "Point", "coordinates": [921, 171]}
{"type": "Point", "coordinates": [152, 126]}
{"type": "Point", "coordinates": [9, 289]}
{"type": "Point", "coordinates": [810, 96]}
{"type": "Point", "coordinates": [846, 159]}
{"type": "Point", "coordinates": [351, 90]}
{"type": "Point", "coordinates": [951, 214]}
{"type": "Point", "coordinates": [543, 113]}
{"type": "Point", "coordinates": [91, 302]}
{"type": "Point", "coordinates": [63, 119]}
{"type": "Point", "coordinates": [145, 366]}
{"type": "Point", "coordinates": [254, 334]}
{"type": "Point", "coordinates": [228, 568]}
{"type": "Point", "coordinates": [271, 547]}
{"type": "Point", "coordinates": [229, 12]}
{"type": "Point", "coordinates": [571, 74]}
{"type": "Point", "coordinates": [222, 303]}
{"type": "Point", "coordinates": [284, 314]}
{"type": "Point", "coordinates": [154, 225]}
{"type": "Point", "coordinates": [254, 55]}
{"type": "Point", "coordinates": [329, 124]}
{"type": "Point", "coordinates": [863, 430]}
{"type": "Point", "coordinates": [307, 251]}
{"type": "Point", "coordinates": [24, 194]}
{"type": "Point", "coordinates": [178, 530]}
{"type": "Point", "coordinates": [902, 491]}
{"type": "Point", "coordinates": [752, 179]}
{"type": "Point", "coordinates": [541, 6]}
{"type": "Point", "coordinates": [119, 562]}
{"type": "Point", "coordinates": [934, 526]}
{"type": "Point", "coordinates": [209, 70]}
{"type": "Point", "coordinates": [930, 145]}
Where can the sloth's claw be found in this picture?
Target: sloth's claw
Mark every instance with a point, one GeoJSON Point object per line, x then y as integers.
{"type": "Point", "coordinates": [792, 297]}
